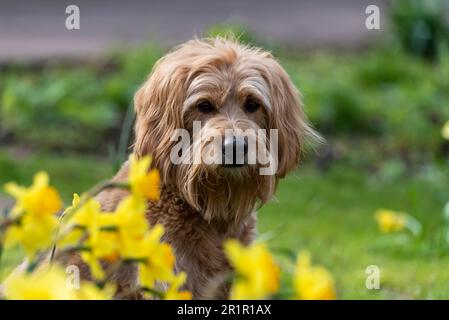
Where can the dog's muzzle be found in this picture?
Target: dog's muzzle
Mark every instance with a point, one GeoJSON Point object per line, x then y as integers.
{"type": "Point", "coordinates": [235, 151]}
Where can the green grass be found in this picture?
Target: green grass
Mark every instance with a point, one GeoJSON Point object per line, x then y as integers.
{"type": "Point", "coordinates": [69, 172]}
{"type": "Point", "coordinates": [329, 213]}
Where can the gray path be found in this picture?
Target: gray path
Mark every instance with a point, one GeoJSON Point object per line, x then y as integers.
{"type": "Point", "coordinates": [36, 29]}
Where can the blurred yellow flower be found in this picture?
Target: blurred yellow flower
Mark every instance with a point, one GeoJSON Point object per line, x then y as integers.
{"type": "Point", "coordinates": [107, 236]}
{"type": "Point", "coordinates": [34, 233]}
{"type": "Point", "coordinates": [158, 266]}
{"type": "Point", "coordinates": [85, 216]}
{"type": "Point", "coordinates": [36, 208]}
{"type": "Point", "coordinates": [95, 230]}
{"type": "Point", "coordinates": [312, 282]}
{"type": "Point", "coordinates": [72, 230]}
{"type": "Point", "coordinates": [159, 261]}
{"type": "Point", "coordinates": [390, 221]}
{"type": "Point", "coordinates": [95, 267]}
{"type": "Point", "coordinates": [51, 284]}
{"type": "Point", "coordinates": [102, 238]}
{"type": "Point", "coordinates": [89, 291]}
{"type": "Point", "coordinates": [40, 199]}
{"type": "Point", "coordinates": [173, 292]}
{"type": "Point", "coordinates": [257, 272]}
{"type": "Point", "coordinates": [103, 243]}
{"type": "Point", "coordinates": [445, 131]}
{"type": "Point", "coordinates": [130, 217]}
{"type": "Point", "coordinates": [144, 183]}
{"type": "Point", "coordinates": [132, 225]}
{"type": "Point", "coordinates": [102, 230]}
{"type": "Point", "coordinates": [77, 225]}
{"type": "Point", "coordinates": [48, 284]}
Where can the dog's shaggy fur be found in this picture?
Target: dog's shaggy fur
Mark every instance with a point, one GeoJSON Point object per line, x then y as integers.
{"type": "Point", "coordinates": [203, 205]}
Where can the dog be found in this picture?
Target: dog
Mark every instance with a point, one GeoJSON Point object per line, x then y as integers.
{"type": "Point", "coordinates": [222, 85]}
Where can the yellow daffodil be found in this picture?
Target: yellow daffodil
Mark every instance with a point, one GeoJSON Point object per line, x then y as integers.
{"type": "Point", "coordinates": [257, 272]}
{"type": "Point", "coordinates": [159, 261]}
{"type": "Point", "coordinates": [390, 221]}
{"type": "Point", "coordinates": [158, 266]}
{"type": "Point", "coordinates": [86, 215]}
{"type": "Point", "coordinates": [130, 217]}
{"type": "Point", "coordinates": [48, 284]}
{"type": "Point", "coordinates": [108, 236]}
{"type": "Point", "coordinates": [40, 199]}
{"type": "Point", "coordinates": [132, 225]}
{"type": "Point", "coordinates": [173, 292]}
{"type": "Point", "coordinates": [95, 267]}
{"type": "Point", "coordinates": [35, 210]}
{"type": "Point", "coordinates": [144, 183]}
{"type": "Point", "coordinates": [103, 244]}
{"type": "Point", "coordinates": [445, 131]}
{"type": "Point", "coordinates": [86, 220]}
{"type": "Point", "coordinates": [33, 233]}
{"type": "Point", "coordinates": [99, 228]}
{"type": "Point", "coordinates": [89, 291]}
{"type": "Point", "coordinates": [72, 231]}
{"type": "Point", "coordinates": [51, 284]}
{"type": "Point", "coordinates": [312, 282]}
{"type": "Point", "coordinates": [95, 230]}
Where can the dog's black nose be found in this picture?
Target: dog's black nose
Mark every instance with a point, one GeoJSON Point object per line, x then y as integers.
{"type": "Point", "coordinates": [235, 149]}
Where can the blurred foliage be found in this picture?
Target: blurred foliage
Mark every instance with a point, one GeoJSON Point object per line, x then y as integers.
{"type": "Point", "coordinates": [57, 108]}
{"type": "Point", "coordinates": [70, 107]}
{"type": "Point", "coordinates": [392, 103]}
{"type": "Point", "coordinates": [397, 101]}
{"type": "Point", "coordinates": [420, 25]}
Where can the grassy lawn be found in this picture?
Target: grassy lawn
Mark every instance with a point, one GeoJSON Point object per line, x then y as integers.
{"type": "Point", "coordinates": [329, 213]}
{"type": "Point", "coordinates": [69, 172]}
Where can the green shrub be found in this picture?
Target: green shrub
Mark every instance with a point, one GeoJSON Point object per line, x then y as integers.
{"type": "Point", "coordinates": [420, 26]}
{"type": "Point", "coordinates": [57, 108]}
{"type": "Point", "coordinates": [72, 107]}
{"type": "Point", "coordinates": [399, 101]}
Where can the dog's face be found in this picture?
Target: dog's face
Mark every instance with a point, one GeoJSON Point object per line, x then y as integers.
{"type": "Point", "coordinates": [237, 105]}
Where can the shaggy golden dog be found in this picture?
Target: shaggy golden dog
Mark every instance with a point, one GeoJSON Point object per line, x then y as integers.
{"type": "Point", "coordinates": [224, 86]}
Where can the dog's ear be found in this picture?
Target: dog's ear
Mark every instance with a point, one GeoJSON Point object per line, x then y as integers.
{"type": "Point", "coordinates": [288, 117]}
{"type": "Point", "coordinates": [158, 105]}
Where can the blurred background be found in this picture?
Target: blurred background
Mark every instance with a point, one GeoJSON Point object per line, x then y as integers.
{"type": "Point", "coordinates": [379, 97]}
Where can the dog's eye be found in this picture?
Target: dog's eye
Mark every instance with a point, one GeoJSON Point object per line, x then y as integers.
{"type": "Point", "coordinates": [205, 107]}
{"type": "Point", "coordinates": [251, 105]}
